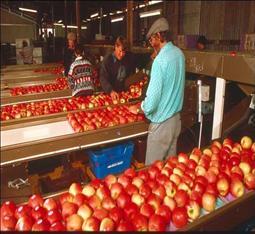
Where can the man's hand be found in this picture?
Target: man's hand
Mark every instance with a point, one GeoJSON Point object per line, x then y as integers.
{"type": "Point", "coordinates": [135, 109]}
{"type": "Point", "coordinates": [114, 95]}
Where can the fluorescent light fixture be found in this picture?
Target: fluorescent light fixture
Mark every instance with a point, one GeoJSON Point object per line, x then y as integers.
{"type": "Point", "coordinates": [60, 21]}
{"type": "Point", "coordinates": [98, 17]}
{"type": "Point", "coordinates": [150, 13]}
{"type": "Point", "coordinates": [111, 13]}
{"type": "Point", "coordinates": [70, 26]}
{"type": "Point", "coordinates": [85, 21]}
{"type": "Point", "coordinates": [88, 19]}
{"type": "Point", "coordinates": [84, 27]}
{"type": "Point", "coordinates": [142, 5]}
{"type": "Point", "coordinates": [104, 15]}
{"type": "Point", "coordinates": [57, 24]}
{"type": "Point", "coordinates": [119, 12]}
{"type": "Point", "coordinates": [94, 15]}
{"type": "Point", "coordinates": [117, 19]}
{"type": "Point", "coordinates": [155, 2]}
{"type": "Point", "coordinates": [26, 9]}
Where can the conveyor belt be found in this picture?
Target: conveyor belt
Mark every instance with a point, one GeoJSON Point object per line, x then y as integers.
{"type": "Point", "coordinates": [28, 143]}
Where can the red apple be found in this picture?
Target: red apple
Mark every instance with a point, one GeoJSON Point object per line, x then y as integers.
{"type": "Point", "coordinates": [57, 226]}
{"type": "Point", "coordinates": [50, 204]}
{"type": "Point", "coordinates": [116, 214]}
{"type": "Point", "coordinates": [153, 171]}
{"type": "Point", "coordinates": [161, 178]}
{"type": "Point", "coordinates": [109, 180]}
{"type": "Point", "coordinates": [75, 188]}
{"type": "Point", "coordinates": [194, 157]}
{"type": "Point", "coordinates": [175, 178]}
{"type": "Point", "coordinates": [94, 202]}
{"type": "Point", "coordinates": [196, 196]}
{"type": "Point", "coordinates": [123, 199]}
{"type": "Point", "coordinates": [200, 170]}
{"type": "Point", "coordinates": [165, 212]}
{"type": "Point", "coordinates": [35, 200]}
{"type": "Point", "coordinates": [193, 209]}
{"type": "Point", "coordinates": [178, 171]}
{"type": "Point", "coordinates": [74, 223]}
{"type": "Point", "coordinates": [166, 171]}
{"type": "Point", "coordinates": [38, 212]}
{"type": "Point", "coordinates": [154, 201]}
{"type": "Point", "coordinates": [41, 225]}
{"type": "Point", "coordinates": [85, 211]}
{"type": "Point", "coordinates": [68, 209]}
{"type": "Point", "coordinates": [146, 210]}
{"type": "Point", "coordinates": [212, 188]}
{"type": "Point", "coordinates": [88, 190]}
{"type": "Point", "coordinates": [130, 172]}
{"type": "Point", "coordinates": [79, 199]}
{"type": "Point", "coordinates": [116, 189]}
{"type": "Point", "coordinates": [130, 209]}
{"type": "Point", "coordinates": [65, 197]}
{"type": "Point", "coordinates": [131, 189]}
{"type": "Point", "coordinates": [8, 208]}
{"type": "Point", "coordinates": [157, 223]}
{"type": "Point", "coordinates": [137, 181]}
{"type": "Point", "coordinates": [8, 223]}
{"type": "Point", "coordinates": [249, 181]}
{"type": "Point", "coordinates": [211, 177]}
{"type": "Point", "coordinates": [191, 164]}
{"type": "Point", "coordinates": [124, 180]}
{"type": "Point", "coordinates": [207, 151]}
{"type": "Point", "coordinates": [170, 202]}
{"type": "Point", "coordinates": [183, 158]}
{"type": "Point", "coordinates": [159, 164]}
{"type": "Point", "coordinates": [180, 217]}
{"type": "Point", "coordinates": [24, 223]}
{"type": "Point", "coordinates": [208, 201]}
{"type": "Point", "coordinates": [143, 174]}
{"type": "Point", "coordinates": [170, 188]}
{"type": "Point", "coordinates": [100, 213]}
{"type": "Point", "coordinates": [237, 170]}
{"type": "Point", "coordinates": [159, 191]}
{"type": "Point", "coordinates": [183, 186]}
{"type": "Point", "coordinates": [140, 222]}
{"type": "Point", "coordinates": [108, 203]}
{"type": "Point", "coordinates": [91, 224]}
{"type": "Point", "coordinates": [202, 180]}
{"type": "Point", "coordinates": [246, 142]}
{"type": "Point", "coordinates": [22, 210]}
{"type": "Point", "coordinates": [145, 190]}
{"type": "Point", "coordinates": [125, 226]}
{"type": "Point", "coordinates": [137, 199]}
{"type": "Point", "coordinates": [53, 216]}
{"type": "Point", "coordinates": [107, 224]}
{"type": "Point", "coordinates": [181, 197]}
{"type": "Point", "coordinates": [237, 188]}
{"type": "Point", "coordinates": [217, 143]}
{"type": "Point", "coordinates": [223, 186]}
{"type": "Point", "coordinates": [245, 167]}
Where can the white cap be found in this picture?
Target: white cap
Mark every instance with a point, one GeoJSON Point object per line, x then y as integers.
{"type": "Point", "coordinates": [160, 25]}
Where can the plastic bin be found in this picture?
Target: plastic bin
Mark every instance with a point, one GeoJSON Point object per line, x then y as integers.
{"type": "Point", "coordinates": [111, 160]}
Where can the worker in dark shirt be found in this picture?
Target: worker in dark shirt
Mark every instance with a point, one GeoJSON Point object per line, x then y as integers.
{"type": "Point", "coordinates": [116, 67]}
{"type": "Point", "coordinates": [69, 55]}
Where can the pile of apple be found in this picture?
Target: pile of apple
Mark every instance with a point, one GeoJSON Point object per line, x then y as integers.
{"type": "Point", "coordinates": [51, 106]}
{"type": "Point", "coordinates": [103, 118]}
{"type": "Point", "coordinates": [166, 194]}
{"type": "Point", "coordinates": [60, 84]}
{"type": "Point", "coordinates": [53, 70]}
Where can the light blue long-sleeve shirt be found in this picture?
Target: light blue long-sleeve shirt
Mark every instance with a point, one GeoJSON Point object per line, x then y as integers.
{"type": "Point", "coordinates": [164, 96]}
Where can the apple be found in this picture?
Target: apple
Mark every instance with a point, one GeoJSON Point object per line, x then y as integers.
{"type": "Point", "coordinates": [50, 204]}
{"type": "Point", "coordinates": [207, 151]}
{"type": "Point", "coordinates": [145, 190]}
{"type": "Point", "coordinates": [194, 157]}
{"type": "Point", "coordinates": [131, 189]}
{"type": "Point", "coordinates": [180, 217]}
{"type": "Point", "coordinates": [144, 175]}
{"type": "Point", "coordinates": [211, 177]}
{"type": "Point", "coordinates": [123, 199]}
{"type": "Point", "coordinates": [202, 180]}
{"type": "Point", "coordinates": [193, 209]}
{"type": "Point", "coordinates": [96, 183]}
{"type": "Point", "coordinates": [41, 225]}
{"type": "Point", "coordinates": [24, 223]}
{"type": "Point", "coordinates": [228, 142]}
{"type": "Point", "coordinates": [200, 170]}
{"type": "Point", "coordinates": [35, 200]}
{"type": "Point", "coordinates": [107, 224]}
{"type": "Point", "coordinates": [159, 164]}
{"type": "Point", "coordinates": [183, 186]}
{"type": "Point", "coordinates": [237, 170]}
{"type": "Point", "coordinates": [85, 211]}
{"type": "Point", "coordinates": [152, 183]}
{"type": "Point", "coordinates": [245, 167]}
{"type": "Point", "coordinates": [79, 199]}
{"type": "Point", "coordinates": [57, 226]}
{"type": "Point", "coordinates": [175, 178]}
{"type": "Point", "coordinates": [196, 196]}
{"type": "Point", "coordinates": [214, 150]}
{"type": "Point", "coordinates": [116, 214]}
{"type": "Point", "coordinates": [130, 172]}
{"type": "Point", "coordinates": [108, 203]}
{"type": "Point", "coordinates": [234, 176]}
{"type": "Point", "coordinates": [88, 190]}
{"type": "Point", "coordinates": [223, 186]}
{"type": "Point", "coordinates": [74, 223]}
{"type": "Point", "coordinates": [38, 212]}
{"type": "Point", "coordinates": [91, 224]}
{"type": "Point", "coordinates": [208, 201]}
{"type": "Point", "coordinates": [124, 180]}
{"type": "Point", "coordinates": [217, 143]}
{"type": "Point", "coordinates": [147, 210]}
{"type": "Point", "coordinates": [161, 178]}
{"type": "Point", "coordinates": [181, 197]}
{"type": "Point", "coordinates": [165, 212]}
{"type": "Point", "coordinates": [94, 202]}
{"type": "Point", "coordinates": [8, 208]}
{"type": "Point", "coordinates": [246, 142]}
{"type": "Point", "coordinates": [140, 222]}
{"type": "Point", "coordinates": [157, 223]}
{"type": "Point", "coordinates": [125, 226]}
{"type": "Point", "coordinates": [8, 223]}
{"type": "Point", "coordinates": [183, 158]}
{"type": "Point", "coordinates": [22, 210]}
{"type": "Point", "coordinates": [115, 190]}
{"type": "Point", "coordinates": [153, 171]}
{"type": "Point", "coordinates": [196, 151]}
{"type": "Point", "coordinates": [215, 170]}
{"type": "Point", "coordinates": [178, 171]}
{"type": "Point", "coordinates": [109, 180]}
{"type": "Point", "coordinates": [212, 188]}
{"type": "Point", "coordinates": [154, 201]}
{"type": "Point", "coordinates": [130, 209]}
{"type": "Point", "coordinates": [249, 181]}
{"type": "Point", "coordinates": [159, 191]}
{"type": "Point", "coordinates": [66, 197]}
{"type": "Point", "coordinates": [100, 213]}
{"type": "Point", "coordinates": [167, 171]}
{"type": "Point", "coordinates": [75, 188]}
{"type": "Point", "coordinates": [237, 188]}
{"type": "Point", "coordinates": [137, 181]}
{"type": "Point", "coordinates": [68, 209]}
{"type": "Point", "coordinates": [188, 180]}
{"type": "Point", "coordinates": [191, 164]}
{"type": "Point", "coordinates": [53, 216]}
{"type": "Point", "coordinates": [253, 147]}
{"type": "Point", "coordinates": [137, 199]}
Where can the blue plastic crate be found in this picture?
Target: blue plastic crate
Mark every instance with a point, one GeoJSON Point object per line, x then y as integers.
{"type": "Point", "coordinates": [111, 160]}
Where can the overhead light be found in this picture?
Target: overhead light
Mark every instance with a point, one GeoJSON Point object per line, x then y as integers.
{"type": "Point", "coordinates": [142, 5]}
{"type": "Point", "coordinates": [119, 12]}
{"type": "Point", "coordinates": [150, 13]}
{"type": "Point", "coordinates": [88, 19]}
{"type": "Point", "coordinates": [111, 13]}
{"type": "Point", "coordinates": [85, 21]}
{"type": "Point", "coordinates": [58, 24]}
{"type": "Point", "coordinates": [94, 15]}
{"type": "Point", "coordinates": [70, 26]}
{"type": "Point", "coordinates": [60, 21]}
{"type": "Point", "coordinates": [117, 19]}
{"type": "Point", "coordinates": [84, 27]}
{"type": "Point", "coordinates": [155, 2]}
{"type": "Point", "coordinates": [26, 9]}
{"type": "Point", "coordinates": [99, 17]}
{"type": "Point", "coordinates": [104, 15]}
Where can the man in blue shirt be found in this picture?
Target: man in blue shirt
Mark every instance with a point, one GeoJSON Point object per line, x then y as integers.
{"type": "Point", "coordinates": [164, 96]}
